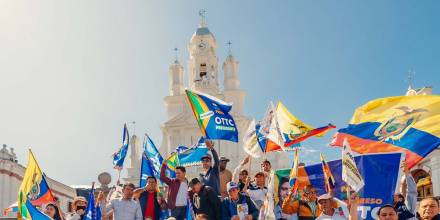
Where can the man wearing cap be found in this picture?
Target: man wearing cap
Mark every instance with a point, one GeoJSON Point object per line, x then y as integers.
{"type": "Point", "coordinates": [210, 175]}
{"type": "Point", "coordinates": [237, 205]}
{"type": "Point", "coordinates": [258, 190]}
{"type": "Point", "coordinates": [204, 200]}
{"type": "Point", "coordinates": [225, 176]}
{"type": "Point", "coordinates": [306, 208]}
{"type": "Point", "coordinates": [327, 204]}
{"type": "Point", "coordinates": [79, 206]}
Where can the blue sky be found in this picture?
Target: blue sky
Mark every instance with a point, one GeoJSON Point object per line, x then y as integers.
{"type": "Point", "coordinates": [72, 72]}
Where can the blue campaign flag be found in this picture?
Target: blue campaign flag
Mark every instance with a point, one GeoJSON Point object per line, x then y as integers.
{"type": "Point", "coordinates": [154, 156]}
{"type": "Point", "coordinates": [119, 156]}
{"type": "Point", "coordinates": [212, 116]}
{"type": "Point", "coordinates": [193, 156]}
{"type": "Point", "coordinates": [189, 211]}
{"type": "Point", "coordinates": [92, 212]}
{"type": "Point", "coordinates": [147, 170]}
{"type": "Point", "coordinates": [181, 149]}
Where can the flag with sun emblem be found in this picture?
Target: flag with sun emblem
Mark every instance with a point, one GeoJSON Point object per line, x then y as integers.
{"type": "Point", "coordinates": [34, 190]}
{"type": "Point", "coordinates": [408, 124]}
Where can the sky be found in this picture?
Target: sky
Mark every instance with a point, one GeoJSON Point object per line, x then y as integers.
{"type": "Point", "coordinates": [73, 72]}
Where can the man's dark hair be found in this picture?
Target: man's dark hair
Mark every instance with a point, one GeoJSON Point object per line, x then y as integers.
{"type": "Point", "coordinates": [193, 182]}
{"type": "Point", "coordinates": [242, 171]}
{"type": "Point", "coordinates": [181, 169]}
{"type": "Point", "coordinates": [129, 185]}
{"type": "Point", "coordinates": [386, 206]}
{"type": "Point", "coordinates": [400, 196]}
{"type": "Point", "coordinates": [265, 161]}
{"type": "Point", "coordinates": [152, 177]}
{"type": "Point", "coordinates": [431, 198]}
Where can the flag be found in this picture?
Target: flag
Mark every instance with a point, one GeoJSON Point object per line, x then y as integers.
{"type": "Point", "coordinates": [119, 157]}
{"type": "Point", "coordinates": [212, 116]}
{"type": "Point", "coordinates": [92, 212]}
{"type": "Point", "coordinates": [350, 172]}
{"type": "Point", "coordinates": [172, 163]}
{"type": "Point", "coordinates": [147, 170]}
{"type": "Point", "coordinates": [44, 195]}
{"type": "Point", "coordinates": [189, 211]}
{"type": "Point", "coordinates": [269, 136]}
{"type": "Point", "coordinates": [33, 181]}
{"type": "Point", "coordinates": [34, 213]}
{"type": "Point", "coordinates": [193, 156]}
{"type": "Point", "coordinates": [11, 208]}
{"type": "Point", "coordinates": [250, 141]}
{"type": "Point", "coordinates": [267, 210]}
{"type": "Point", "coordinates": [294, 173]}
{"type": "Point", "coordinates": [328, 176]}
{"type": "Point", "coordinates": [406, 124]}
{"type": "Point", "coordinates": [294, 130]}
{"type": "Point", "coordinates": [374, 167]}
{"type": "Point", "coordinates": [181, 149]}
{"type": "Point", "coordinates": [155, 157]}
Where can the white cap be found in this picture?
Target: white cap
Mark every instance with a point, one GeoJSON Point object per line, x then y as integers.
{"type": "Point", "coordinates": [324, 196]}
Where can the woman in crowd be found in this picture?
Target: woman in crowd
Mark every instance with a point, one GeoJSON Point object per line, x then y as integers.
{"type": "Point", "coordinates": [52, 211]}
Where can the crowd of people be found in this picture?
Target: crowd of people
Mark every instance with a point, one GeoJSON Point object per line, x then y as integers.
{"type": "Point", "coordinates": [220, 194]}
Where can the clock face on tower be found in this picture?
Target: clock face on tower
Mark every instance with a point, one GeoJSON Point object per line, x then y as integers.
{"type": "Point", "coordinates": [202, 46]}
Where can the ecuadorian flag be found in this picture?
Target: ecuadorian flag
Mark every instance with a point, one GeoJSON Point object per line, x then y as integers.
{"type": "Point", "coordinates": [212, 116]}
{"type": "Point", "coordinates": [408, 124]}
{"type": "Point", "coordinates": [293, 130]}
{"type": "Point", "coordinates": [33, 188]}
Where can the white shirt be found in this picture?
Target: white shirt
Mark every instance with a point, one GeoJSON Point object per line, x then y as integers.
{"type": "Point", "coordinates": [181, 198]}
{"type": "Point", "coordinates": [125, 209]}
{"type": "Point", "coordinates": [257, 195]}
{"type": "Point", "coordinates": [336, 216]}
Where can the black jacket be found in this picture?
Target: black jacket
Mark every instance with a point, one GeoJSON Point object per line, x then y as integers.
{"type": "Point", "coordinates": [143, 198]}
{"type": "Point", "coordinates": [206, 202]}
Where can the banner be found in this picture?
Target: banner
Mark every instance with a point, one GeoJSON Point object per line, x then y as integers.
{"type": "Point", "coordinates": [380, 172]}
{"type": "Point", "coordinates": [212, 116]}
{"type": "Point", "coordinates": [350, 173]}
{"type": "Point", "coordinates": [193, 156]}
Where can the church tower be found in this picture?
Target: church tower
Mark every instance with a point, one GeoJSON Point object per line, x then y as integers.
{"type": "Point", "coordinates": [232, 91]}
{"type": "Point", "coordinates": [203, 62]}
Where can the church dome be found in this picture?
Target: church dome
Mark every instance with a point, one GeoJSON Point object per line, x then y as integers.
{"type": "Point", "coordinates": [202, 31]}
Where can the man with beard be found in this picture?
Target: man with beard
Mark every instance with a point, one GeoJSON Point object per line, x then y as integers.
{"type": "Point", "coordinates": [204, 200]}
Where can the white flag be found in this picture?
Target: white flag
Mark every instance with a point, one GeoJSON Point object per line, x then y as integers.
{"type": "Point", "coordinates": [250, 142]}
{"type": "Point", "coordinates": [274, 130]}
{"type": "Point", "coordinates": [350, 172]}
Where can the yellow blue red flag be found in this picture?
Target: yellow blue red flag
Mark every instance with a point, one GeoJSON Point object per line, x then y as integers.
{"type": "Point", "coordinates": [408, 124]}
{"type": "Point", "coordinates": [329, 180]}
{"type": "Point", "coordinates": [293, 130]}
{"type": "Point", "coordinates": [33, 188]}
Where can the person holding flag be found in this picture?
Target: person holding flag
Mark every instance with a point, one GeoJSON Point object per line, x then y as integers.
{"type": "Point", "coordinates": [53, 211]}
{"type": "Point", "coordinates": [177, 191]}
{"type": "Point", "coordinates": [92, 212]}
{"type": "Point", "coordinates": [211, 172]}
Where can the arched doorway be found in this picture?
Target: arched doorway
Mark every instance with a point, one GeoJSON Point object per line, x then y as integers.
{"type": "Point", "coordinates": [423, 181]}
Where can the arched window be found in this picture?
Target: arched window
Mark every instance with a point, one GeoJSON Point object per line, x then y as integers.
{"type": "Point", "coordinates": [203, 70]}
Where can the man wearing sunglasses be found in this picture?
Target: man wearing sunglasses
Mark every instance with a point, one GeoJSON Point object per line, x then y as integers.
{"type": "Point", "coordinates": [210, 175]}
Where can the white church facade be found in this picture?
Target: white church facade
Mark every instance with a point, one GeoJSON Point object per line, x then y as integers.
{"type": "Point", "coordinates": [204, 76]}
